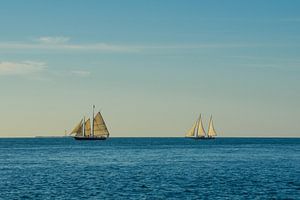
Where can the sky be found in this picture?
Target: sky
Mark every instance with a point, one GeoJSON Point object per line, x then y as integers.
{"type": "Point", "coordinates": [151, 67]}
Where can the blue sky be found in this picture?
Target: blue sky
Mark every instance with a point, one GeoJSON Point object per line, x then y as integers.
{"type": "Point", "coordinates": [150, 66]}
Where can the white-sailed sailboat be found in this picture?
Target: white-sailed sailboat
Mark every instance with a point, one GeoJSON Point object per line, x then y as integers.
{"type": "Point", "coordinates": [211, 130]}
{"type": "Point", "coordinates": [98, 130]}
{"type": "Point", "coordinates": [198, 132]}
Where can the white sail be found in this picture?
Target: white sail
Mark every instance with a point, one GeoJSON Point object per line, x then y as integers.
{"type": "Point", "coordinates": [78, 129]}
{"type": "Point", "coordinates": [192, 131]}
{"type": "Point", "coordinates": [211, 129]}
{"type": "Point", "coordinates": [100, 128]}
{"type": "Point", "coordinates": [201, 131]}
{"type": "Point", "coordinates": [87, 128]}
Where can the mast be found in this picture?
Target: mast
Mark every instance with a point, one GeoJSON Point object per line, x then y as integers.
{"type": "Point", "coordinates": [83, 126]}
{"type": "Point", "coordinates": [197, 127]}
{"type": "Point", "coordinates": [93, 122]}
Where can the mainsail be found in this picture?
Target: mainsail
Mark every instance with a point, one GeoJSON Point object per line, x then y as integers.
{"type": "Point", "coordinates": [211, 129]}
{"type": "Point", "coordinates": [100, 128]}
{"type": "Point", "coordinates": [87, 128]}
{"type": "Point", "coordinates": [201, 131]}
{"type": "Point", "coordinates": [78, 129]}
{"type": "Point", "coordinates": [191, 132]}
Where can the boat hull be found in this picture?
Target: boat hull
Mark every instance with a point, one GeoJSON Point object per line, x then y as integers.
{"type": "Point", "coordinates": [201, 138]}
{"type": "Point", "coordinates": [90, 138]}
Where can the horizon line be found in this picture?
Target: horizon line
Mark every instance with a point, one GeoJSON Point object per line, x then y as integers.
{"type": "Point", "coordinates": [261, 137]}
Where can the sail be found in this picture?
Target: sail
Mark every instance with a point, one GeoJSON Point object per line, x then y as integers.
{"type": "Point", "coordinates": [201, 131]}
{"type": "Point", "coordinates": [191, 132]}
{"type": "Point", "coordinates": [100, 128]}
{"type": "Point", "coordinates": [211, 129]}
{"type": "Point", "coordinates": [87, 128]}
{"type": "Point", "coordinates": [78, 129]}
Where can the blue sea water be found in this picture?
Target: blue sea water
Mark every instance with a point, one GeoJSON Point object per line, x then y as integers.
{"type": "Point", "coordinates": [150, 168]}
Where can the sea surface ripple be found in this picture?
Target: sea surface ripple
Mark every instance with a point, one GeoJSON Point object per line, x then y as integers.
{"type": "Point", "coordinates": [150, 168]}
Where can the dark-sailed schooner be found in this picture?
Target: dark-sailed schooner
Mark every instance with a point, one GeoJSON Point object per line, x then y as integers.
{"type": "Point", "coordinates": [98, 130]}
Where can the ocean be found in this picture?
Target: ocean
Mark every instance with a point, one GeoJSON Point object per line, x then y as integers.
{"type": "Point", "coordinates": [150, 168]}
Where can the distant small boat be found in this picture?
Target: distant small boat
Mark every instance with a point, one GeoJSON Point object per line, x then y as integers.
{"type": "Point", "coordinates": [198, 132]}
{"type": "Point", "coordinates": [211, 134]}
{"type": "Point", "coordinates": [99, 131]}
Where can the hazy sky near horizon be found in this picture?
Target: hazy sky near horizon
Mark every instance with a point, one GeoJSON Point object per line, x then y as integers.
{"type": "Point", "coordinates": [150, 66]}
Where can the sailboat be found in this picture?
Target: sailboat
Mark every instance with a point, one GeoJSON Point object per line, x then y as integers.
{"type": "Point", "coordinates": [98, 130]}
{"type": "Point", "coordinates": [211, 130]}
{"type": "Point", "coordinates": [197, 131]}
